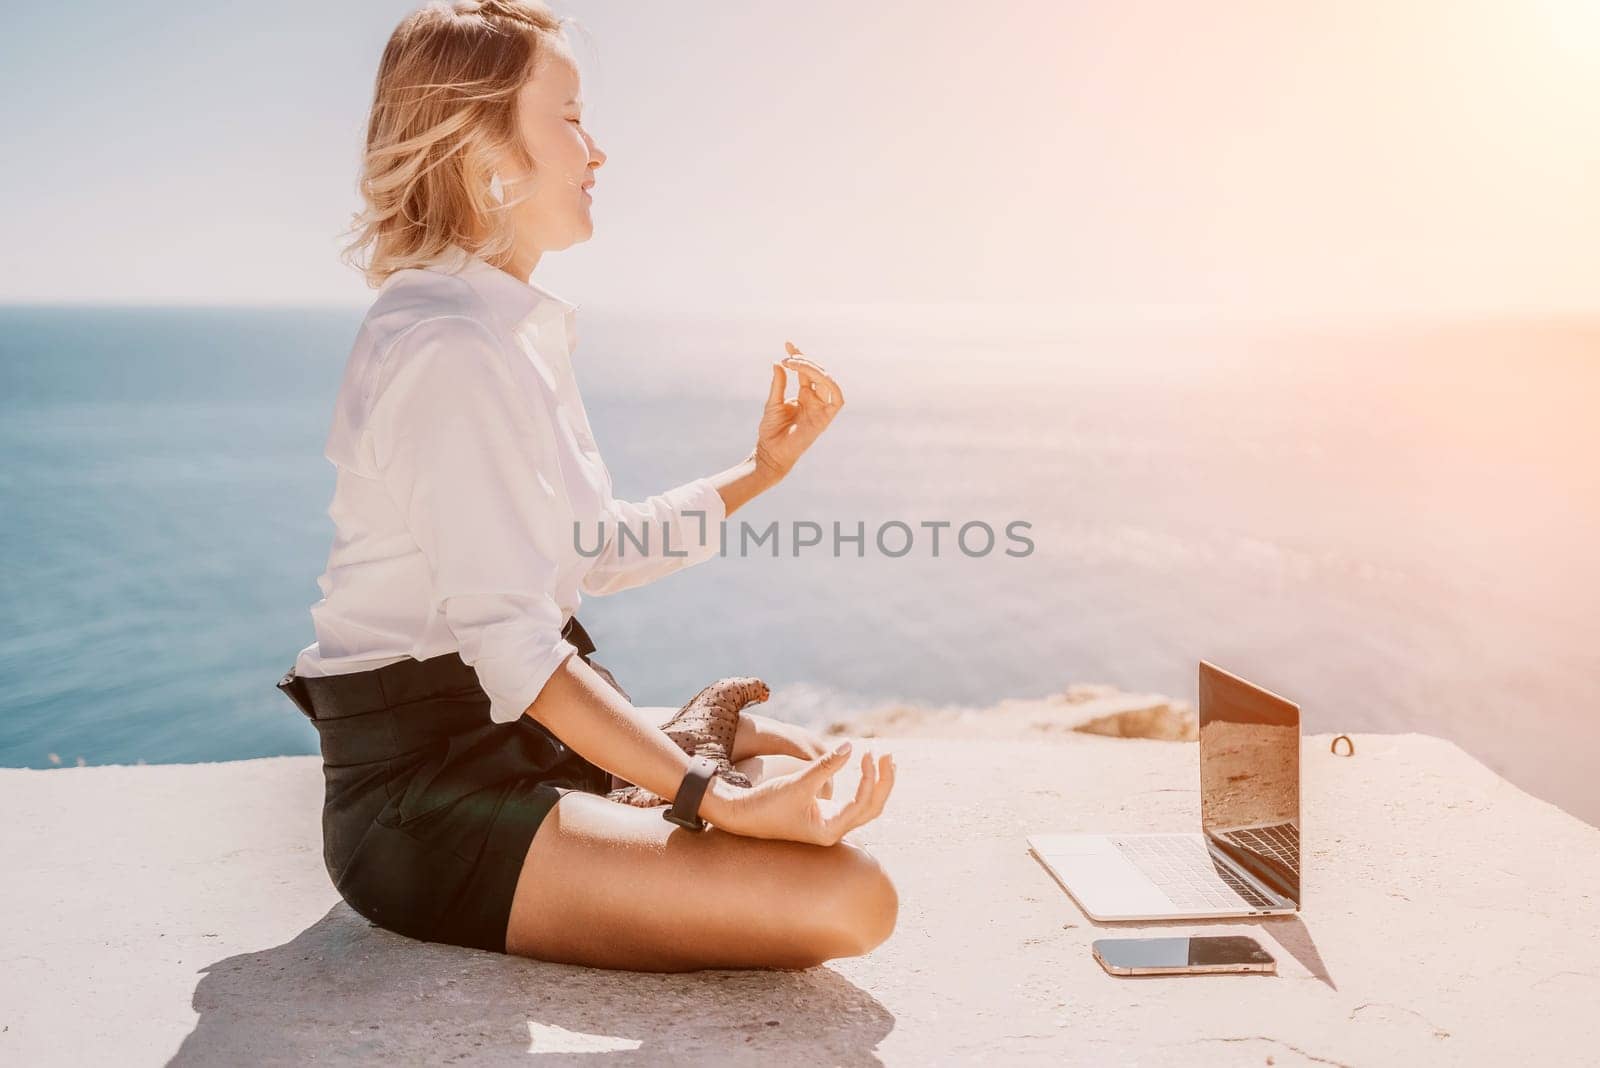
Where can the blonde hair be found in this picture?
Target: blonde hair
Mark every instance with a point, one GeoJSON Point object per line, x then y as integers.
{"type": "Point", "coordinates": [443, 110]}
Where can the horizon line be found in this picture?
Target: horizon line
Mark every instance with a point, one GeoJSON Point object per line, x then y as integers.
{"type": "Point", "coordinates": [1048, 313]}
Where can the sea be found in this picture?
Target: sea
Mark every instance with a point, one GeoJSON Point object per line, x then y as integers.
{"type": "Point", "coordinates": [1392, 523]}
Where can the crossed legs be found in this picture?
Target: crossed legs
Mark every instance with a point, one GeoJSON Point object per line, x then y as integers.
{"type": "Point", "coordinates": [613, 886]}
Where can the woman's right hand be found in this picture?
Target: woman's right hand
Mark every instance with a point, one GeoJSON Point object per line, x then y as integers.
{"type": "Point", "coordinates": [788, 806]}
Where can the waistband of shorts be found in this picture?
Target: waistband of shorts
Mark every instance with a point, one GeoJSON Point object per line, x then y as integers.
{"type": "Point", "coordinates": [354, 693]}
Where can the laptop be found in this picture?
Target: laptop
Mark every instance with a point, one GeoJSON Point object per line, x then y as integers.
{"type": "Point", "coordinates": [1246, 859]}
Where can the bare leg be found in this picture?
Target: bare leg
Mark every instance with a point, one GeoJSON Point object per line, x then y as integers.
{"type": "Point", "coordinates": [613, 886]}
{"type": "Point", "coordinates": [657, 714]}
{"type": "Point", "coordinates": [764, 766]}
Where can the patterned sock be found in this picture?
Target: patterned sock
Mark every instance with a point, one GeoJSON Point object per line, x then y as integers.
{"type": "Point", "coordinates": [705, 726]}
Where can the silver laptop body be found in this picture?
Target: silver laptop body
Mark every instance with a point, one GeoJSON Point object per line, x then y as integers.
{"type": "Point", "coordinates": [1246, 859]}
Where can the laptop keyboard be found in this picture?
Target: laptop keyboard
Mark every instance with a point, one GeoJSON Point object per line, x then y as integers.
{"type": "Point", "coordinates": [1184, 869]}
{"type": "Point", "coordinates": [1280, 842]}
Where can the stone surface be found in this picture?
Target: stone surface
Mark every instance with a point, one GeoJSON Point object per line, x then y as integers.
{"type": "Point", "coordinates": [1084, 709]}
{"type": "Point", "coordinates": [181, 914]}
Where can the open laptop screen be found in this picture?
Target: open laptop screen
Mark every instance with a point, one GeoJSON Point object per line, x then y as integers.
{"type": "Point", "coordinates": [1250, 777]}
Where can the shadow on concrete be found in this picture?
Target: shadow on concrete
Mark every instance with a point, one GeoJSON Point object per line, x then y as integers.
{"type": "Point", "coordinates": [1292, 934]}
{"type": "Point", "coordinates": [346, 990]}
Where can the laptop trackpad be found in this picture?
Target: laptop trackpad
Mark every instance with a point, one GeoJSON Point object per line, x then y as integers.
{"type": "Point", "coordinates": [1104, 882]}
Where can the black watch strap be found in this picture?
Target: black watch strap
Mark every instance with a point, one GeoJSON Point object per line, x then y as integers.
{"type": "Point", "coordinates": [685, 810]}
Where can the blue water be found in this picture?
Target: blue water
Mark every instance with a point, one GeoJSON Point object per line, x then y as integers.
{"type": "Point", "coordinates": [1393, 526]}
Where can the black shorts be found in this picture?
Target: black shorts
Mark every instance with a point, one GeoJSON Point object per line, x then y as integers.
{"type": "Point", "coordinates": [429, 805]}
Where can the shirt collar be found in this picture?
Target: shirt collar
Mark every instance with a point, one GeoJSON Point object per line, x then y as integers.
{"type": "Point", "coordinates": [515, 301]}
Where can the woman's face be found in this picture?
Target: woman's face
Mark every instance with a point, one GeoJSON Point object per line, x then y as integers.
{"type": "Point", "coordinates": [555, 213]}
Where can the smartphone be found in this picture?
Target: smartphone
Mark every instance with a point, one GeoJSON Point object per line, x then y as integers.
{"type": "Point", "coordinates": [1218, 954]}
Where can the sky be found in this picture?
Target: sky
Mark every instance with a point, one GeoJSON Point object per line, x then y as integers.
{"type": "Point", "coordinates": [1234, 159]}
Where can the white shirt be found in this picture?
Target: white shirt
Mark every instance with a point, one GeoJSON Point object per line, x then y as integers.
{"type": "Point", "coordinates": [464, 458]}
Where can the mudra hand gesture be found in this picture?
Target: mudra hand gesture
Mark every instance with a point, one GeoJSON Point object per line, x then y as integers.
{"type": "Point", "coordinates": [789, 427]}
{"type": "Point", "coordinates": [798, 806]}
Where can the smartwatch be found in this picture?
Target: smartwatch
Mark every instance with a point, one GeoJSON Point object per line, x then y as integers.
{"type": "Point", "coordinates": [685, 810]}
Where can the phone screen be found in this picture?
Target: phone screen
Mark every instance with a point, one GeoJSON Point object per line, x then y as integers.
{"type": "Point", "coordinates": [1182, 954]}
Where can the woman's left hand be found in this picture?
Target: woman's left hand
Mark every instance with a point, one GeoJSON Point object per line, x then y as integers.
{"type": "Point", "coordinates": [759, 735]}
{"type": "Point", "coordinates": [788, 428]}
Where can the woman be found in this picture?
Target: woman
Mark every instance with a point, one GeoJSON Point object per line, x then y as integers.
{"type": "Point", "coordinates": [468, 739]}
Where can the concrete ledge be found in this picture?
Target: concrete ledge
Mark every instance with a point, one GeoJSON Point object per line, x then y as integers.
{"type": "Point", "coordinates": [181, 913]}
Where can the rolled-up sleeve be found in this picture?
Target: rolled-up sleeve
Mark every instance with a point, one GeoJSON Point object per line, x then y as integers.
{"type": "Point", "coordinates": [464, 455]}
{"type": "Point", "coordinates": [648, 540]}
